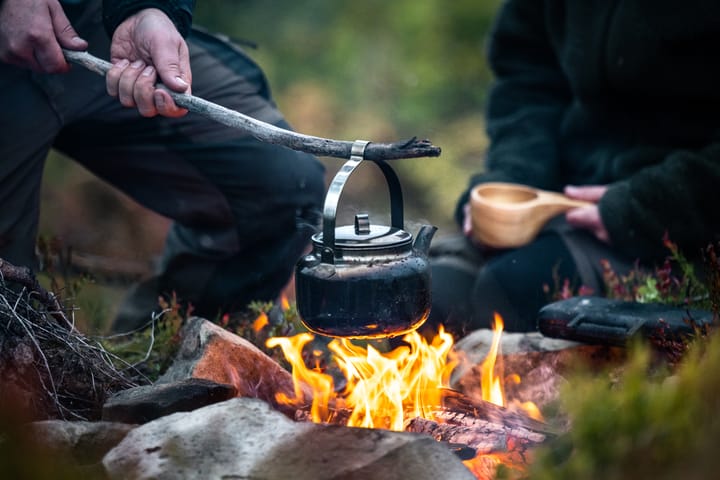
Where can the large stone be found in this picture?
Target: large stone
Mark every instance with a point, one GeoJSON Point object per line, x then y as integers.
{"type": "Point", "coordinates": [211, 352]}
{"type": "Point", "coordinates": [245, 438]}
{"type": "Point", "coordinates": [538, 364]}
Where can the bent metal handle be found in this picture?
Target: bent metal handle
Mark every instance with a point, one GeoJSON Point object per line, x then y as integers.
{"type": "Point", "coordinates": [265, 132]}
{"type": "Point", "coordinates": [333, 197]}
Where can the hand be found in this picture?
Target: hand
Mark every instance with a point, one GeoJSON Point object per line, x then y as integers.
{"type": "Point", "coordinates": [145, 46]}
{"type": "Point", "coordinates": [467, 229]}
{"type": "Point", "coordinates": [32, 33]}
{"type": "Point", "coordinates": [587, 217]}
{"type": "Point", "coordinates": [467, 221]}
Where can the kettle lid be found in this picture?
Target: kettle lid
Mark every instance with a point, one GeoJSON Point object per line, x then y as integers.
{"type": "Point", "coordinates": [363, 236]}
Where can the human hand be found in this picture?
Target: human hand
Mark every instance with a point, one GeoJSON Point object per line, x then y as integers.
{"type": "Point", "coordinates": [33, 33]}
{"type": "Point", "coordinates": [144, 47]}
{"type": "Point", "coordinates": [587, 217]}
{"type": "Point", "coordinates": [467, 228]}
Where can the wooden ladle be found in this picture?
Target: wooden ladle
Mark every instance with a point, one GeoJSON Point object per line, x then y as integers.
{"type": "Point", "coordinates": [508, 215]}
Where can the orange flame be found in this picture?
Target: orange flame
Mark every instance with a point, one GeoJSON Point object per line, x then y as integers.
{"type": "Point", "coordinates": [384, 390]}
{"type": "Point", "coordinates": [320, 384]}
{"type": "Point", "coordinates": [492, 386]}
{"type": "Point", "coordinates": [260, 322]}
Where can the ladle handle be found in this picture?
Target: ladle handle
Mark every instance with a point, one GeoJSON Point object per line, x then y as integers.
{"type": "Point", "coordinates": [336, 186]}
{"type": "Point", "coordinates": [553, 198]}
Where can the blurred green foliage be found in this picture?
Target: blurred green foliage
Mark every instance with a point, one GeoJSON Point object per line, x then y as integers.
{"type": "Point", "coordinates": [649, 422]}
{"type": "Point", "coordinates": [380, 71]}
{"type": "Point", "coordinates": [417, 64]}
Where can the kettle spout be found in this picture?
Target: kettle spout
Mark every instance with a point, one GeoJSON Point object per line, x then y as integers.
{"type": "Point", "coordinates": [423, 239]}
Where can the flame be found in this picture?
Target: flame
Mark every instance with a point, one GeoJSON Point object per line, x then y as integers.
{"type": "Point", "coordinates": [320, 384]}
{"type": "Point", "coordinates": [284, 303]}
{"type": "Point", "coordinates": [260, 322]}
{"type": "Point", "coordinates": [384, 390]}
{"type": "Point", "coordinates": [492, 386]}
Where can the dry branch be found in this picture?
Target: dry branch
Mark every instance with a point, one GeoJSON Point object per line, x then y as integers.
{"type": "Point", "coordinates": [24, 276]}
{"type": "Point", "coordinates": [268, 133]}
{"type": "Point", "coordinates": [48, 369]}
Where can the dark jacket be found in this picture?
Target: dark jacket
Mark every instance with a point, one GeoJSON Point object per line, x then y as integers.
{"type": "Point", "coordinates": [617, 92]}
{"type": "Point", "coordinates": [179, 11]}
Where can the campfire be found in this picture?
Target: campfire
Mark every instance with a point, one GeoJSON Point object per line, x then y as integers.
{"type": "Point", "coordinates": [408, 389]}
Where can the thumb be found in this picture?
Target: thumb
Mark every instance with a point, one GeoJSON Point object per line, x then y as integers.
{"type": "Point", "coordinates": [66, 35]}
{"type": "Point", "coordinates": [173, 66]}
{"type": "Point", "coordinates": [589, 193]}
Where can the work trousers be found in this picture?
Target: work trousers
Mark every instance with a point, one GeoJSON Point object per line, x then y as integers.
{"type": "Point", "coordinates": [243, 210]}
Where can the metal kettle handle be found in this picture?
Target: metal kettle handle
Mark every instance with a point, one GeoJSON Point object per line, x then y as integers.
{"type": "Point", "coordinates": [333, 197]}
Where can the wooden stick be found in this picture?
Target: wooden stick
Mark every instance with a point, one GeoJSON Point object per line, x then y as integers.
{"type": "Point", "coordinates": [268, 133]}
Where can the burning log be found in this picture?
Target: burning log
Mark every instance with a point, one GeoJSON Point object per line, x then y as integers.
{"type": "Point", "coordinates": [265, 132]}
{"type": "Point", "coordinates": [485, 428]}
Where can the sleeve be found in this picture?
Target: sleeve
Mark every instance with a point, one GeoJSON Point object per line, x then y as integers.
{"type": "Point", "coordinates": [677, 196]}
{"type": "Point", "coordinates": [179, 11]}
{"type": "Point", "coordinates": [526, 102]}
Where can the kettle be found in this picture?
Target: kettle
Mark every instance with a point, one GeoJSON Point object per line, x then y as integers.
{"type": "Point", "coordinates": [364, 280]}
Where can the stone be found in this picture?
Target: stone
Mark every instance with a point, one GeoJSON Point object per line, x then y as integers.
{"type": "Point", "coordinates": [538, 364]}
{"type": "Point", "coordinates": [208, 351]}
{"type": "Point", "coordinates": [148, 402]}
{"type": "Point", "coordinates": [245, 438]}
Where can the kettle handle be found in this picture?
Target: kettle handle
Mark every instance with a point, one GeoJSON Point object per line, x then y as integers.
{"type": "Point", "coordinates": [333, 197]}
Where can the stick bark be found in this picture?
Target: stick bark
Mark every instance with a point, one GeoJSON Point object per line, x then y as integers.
{"type": "Point", "coordinates": [265, 132]}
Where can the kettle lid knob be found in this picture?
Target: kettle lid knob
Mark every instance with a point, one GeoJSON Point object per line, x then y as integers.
{"type": "Point", "coordinates": [362, 224]}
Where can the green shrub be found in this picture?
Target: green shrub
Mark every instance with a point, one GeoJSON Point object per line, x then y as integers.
{"type": "Point", "coordinates": [650, 422]}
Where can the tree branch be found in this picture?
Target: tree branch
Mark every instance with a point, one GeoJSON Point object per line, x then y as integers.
{"type": "Point", "coordinates": [268, 133]}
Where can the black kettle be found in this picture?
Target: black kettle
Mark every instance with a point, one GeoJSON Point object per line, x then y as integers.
{"type": "Point", "coordinates": [364, 280]}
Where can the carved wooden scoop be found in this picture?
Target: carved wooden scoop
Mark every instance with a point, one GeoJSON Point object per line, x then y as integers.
{"type": "Point", "coordinates": [507, 215]}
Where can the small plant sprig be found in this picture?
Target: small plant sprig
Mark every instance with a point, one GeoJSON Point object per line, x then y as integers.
{"type": "Point", "coordinates": [263, 320]}
{"type": "Point", "coordinates": [150, 349]}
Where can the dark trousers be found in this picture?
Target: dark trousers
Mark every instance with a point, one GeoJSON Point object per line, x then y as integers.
{"type": "Point", "coordinates": [243, 210]}
{"type": "Point", "coordinates": [470, 285]}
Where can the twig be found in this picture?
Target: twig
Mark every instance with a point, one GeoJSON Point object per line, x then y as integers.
{"type": "Point", "coordinates": [268, 133]}
{"type": "Point", "coordinates": [75, 373]}
{"type": "Point", "coordinates": [53, 394]}
{"type": "Point", "coordinates": [25, 277]}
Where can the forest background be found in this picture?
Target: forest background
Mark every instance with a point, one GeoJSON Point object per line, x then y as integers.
{"type": "Point", "coordinates": [373, 70]}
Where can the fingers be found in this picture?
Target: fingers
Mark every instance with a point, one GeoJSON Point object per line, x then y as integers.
{"type": "Point", "coordinates": [48, 52]}
{"type": "Point", "coordinates": [65, 34]}
{"type": "Point", "coordinates": [467, 221]}
{"type": "Point", "coordinates": [134, 85]}
{"type": "Point", "coordinates": [589, 193]}
{"type": "Point", "coordinates": [31, 36]}
{"type": "Point", "coordinates": [126, 86]}
{"type": "Point", "coordinates": [588, 218]}
{"type": "Point", "coordinates": [172, 61]}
